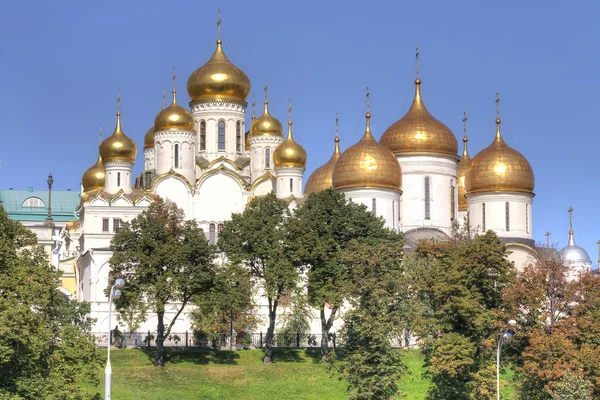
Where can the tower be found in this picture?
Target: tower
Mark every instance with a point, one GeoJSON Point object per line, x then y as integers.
{"type": "Point", "coordinates": [290, 163]}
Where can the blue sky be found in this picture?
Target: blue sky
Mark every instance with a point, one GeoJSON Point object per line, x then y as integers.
{"type": "Point", "coordinates": [62, 62]}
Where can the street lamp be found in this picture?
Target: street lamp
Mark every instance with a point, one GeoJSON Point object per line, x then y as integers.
{"type": "Point", "coordinates": [115, 293]}
{"type": "Point", "coordinates": [506, 337]}
{"type": "Point", "coordinates": [49, 221]}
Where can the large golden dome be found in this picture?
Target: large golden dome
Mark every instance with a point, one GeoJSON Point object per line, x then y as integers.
{"type": "Point", "coordinates": [266, 125]}
{"type": "Point", "coordinates": [289, 153]}
{"type": "Point", "coordinates": [499, 168]}
{"type": "Point", "coordinates": [367, 164]}
{"type": "Point", "coordinates": [149, 139]}
{"type": "Point", "coordinates": [218, 79]}
{"type": "Point", "coordinates": [174, 118]}
{"type": "Point", "coordinates": [118, 147]}
{"type": "Point", "coordinates": [93, 178]}
{"type": "Point", "coordinates": [321, 178]}
{"type": "Point", "coordinates": [419, 132]}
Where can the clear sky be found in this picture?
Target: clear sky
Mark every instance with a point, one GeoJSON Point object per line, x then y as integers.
{"type": "Point", "coordinates": [61, 63]}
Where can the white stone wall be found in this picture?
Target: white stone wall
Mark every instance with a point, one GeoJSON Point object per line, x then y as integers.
{"type": "Point", "coordinates": [117, 176]}
{"type": "Point", "coordinates": [519, 218]}
{"type": "Point", "coordinates": [289, 182]}
{"type": "Point", "coordinates": [259, 165]}
{"type": "Point", "coordinates": [386, 202]}
{"type": "Point", "coordinates": [149, 159]}
{"type": "Point", "coordinates": [185, 164]}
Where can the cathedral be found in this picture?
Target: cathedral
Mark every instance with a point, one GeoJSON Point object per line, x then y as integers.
{"type": "Point", "coordinates": [207, 161]}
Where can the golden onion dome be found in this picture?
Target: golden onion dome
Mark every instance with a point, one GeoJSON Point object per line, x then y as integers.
{"type": "Point", "coordinates": [93, 178]}
{"type": "Point", "coordinates": [321, 177]}
{"type": "Point", "coordinates": [118, 147]}
{"type": "Point", "coordinates": [218, 79]}
{"type": "Point", "coordinates": [289, 153]}
{"type": "Point", "coordinates": [174, 118]}
{"type": "Point", "coordinates": [367, 164]}
{"type": "Point", "coordinates": [149, 139]}
{"type": "Point", "coordinates": [418, 132]}
{"type": "Point", "coordinates": [266, 125]}
{"type": "Point", "coordinates": [499, 168]}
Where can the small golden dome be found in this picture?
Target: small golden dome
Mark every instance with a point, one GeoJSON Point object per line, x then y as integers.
{"type": "Point", "coordinates": [419, 132]}
{"type": "Point", "coordinates": [149, 139]}
{"type": "Point", "coordinates": [174, 118]}
{"type": "Point", "coordinates": [321, 177]}
{"type": "Point", "coordinates": [367, 164]}
{"type": "Point", "coordinates": [266, 125]}
{"type": "Point", "coordinates": [118, 147]}
{"type": "Point", "coordinates": [461, 175]}
{"type": "Point", "coordinates": [93, 178]}
{"type": "Point", "coordinates": [499, 168]}
{"type": "Point", "coordinates": [247, 136]}
{"type": "Point", "coordinates": [218, 79]}
{"type": "Point", "coordinates": [289, 153]}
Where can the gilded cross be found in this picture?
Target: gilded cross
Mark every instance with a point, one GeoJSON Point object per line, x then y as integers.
{"type": "Point", "coordinates": [497, 105]}
{"type": "Point", "coordinates": [119, 101]}
{"type": "Point", "coordinates": [465, 124]}
{"type": "Point", "coordinates": [337, 121]}
{"type": "Point", "coordinates": [417, 59]}
{"type": "Point", "coordinates": [368, 100]}
{"type": "Point", "coordinates": [548, 239]}
{"type": "Point", "coordinates": [219, 26]}
{"type": "Point", "coordinates": [253, 104]}
{"type": "Point", "coordinates": [266, 87]}
{"type": "Point", "coordinates": [290, 112]}
{"type": "Point", "coordinates": [570, 219]}
{"type": "Point", "coordinates": [174, 79]}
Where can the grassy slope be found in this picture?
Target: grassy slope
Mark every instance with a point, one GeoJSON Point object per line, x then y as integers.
{"type": "Point", "coordinates": [240, 375]}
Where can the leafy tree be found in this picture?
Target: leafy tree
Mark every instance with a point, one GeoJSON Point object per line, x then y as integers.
{"type": "Point", "coordinates": [296, 320]}
{"type": "Point", "coordinates": [572, 387]}
{"type": "Point", "coordinates": [46, 350]}
{"type": "Point", "coordinates": [258, 239]}
{"type": "Point", "coordinates": [132, 311]}
{"type": "Point", "coordinates": [322, 227]}
{"type": "Point", "coordinates": [164, 260]}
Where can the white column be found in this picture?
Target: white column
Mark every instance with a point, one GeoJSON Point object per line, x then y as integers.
{"type": "Point", "coordinates": [289, 182]}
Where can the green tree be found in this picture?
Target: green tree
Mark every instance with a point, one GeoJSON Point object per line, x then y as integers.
{"type": "Point", "coordinates": [46, 350]}
{"type": "Point", "coordinates": [258, 240]}
{"type": "Point", "coordinates": [296, 320]}
{"type": "Point", "coordinates": [164, 260]}
{"type": "Point", "coordinates": [322, 228]}
{"type": "Point", "coordinates": [132, 310]}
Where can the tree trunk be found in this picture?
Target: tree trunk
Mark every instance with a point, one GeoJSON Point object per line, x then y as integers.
{"type": "Point", "coordinates": [326, 324]}
{"type": "Point", "coordinates": [160, 339]}
{"type": "Point", "coordinates": [270, 332]}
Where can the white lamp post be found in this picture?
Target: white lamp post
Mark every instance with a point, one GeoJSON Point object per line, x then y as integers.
{"type": "Point", "coordinates": [506, 337]}
{"type": "Point", "coordinates": [115, 293]}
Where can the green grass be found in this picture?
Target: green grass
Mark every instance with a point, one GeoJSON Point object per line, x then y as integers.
{"type": "Point", "coordinates": [295, 374]}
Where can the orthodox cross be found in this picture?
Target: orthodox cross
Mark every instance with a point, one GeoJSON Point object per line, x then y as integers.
{"type": "Point", "coordinates": [253, 104]}
{"type": "Point", "coordinates": [337, 121]}
{"type": "Point", "coordinates": [164, 100]}
{"type": "Point", "coordinates": [570, 219]}
{"type": "Point", "coordinates": [219, 26]}
{"type": "Point", "coordinates": [548, 239]}
{"type": "Point", "coordinates": [119, 101]}
{"type": "Point", "coordinates": [497, 106]}
{"type": "Point", "coordinates": [417, 59]}
{"type": "Point", "coordinates": [290, 112]}
{"type": "Point", "coordinates": [174, 79]}
{"type": "Point", "coordinates": [368, 100]}
{"type": "Point", "coordinates": [266, 87]}
{"type": "Point", "coordinates": [465, 125]}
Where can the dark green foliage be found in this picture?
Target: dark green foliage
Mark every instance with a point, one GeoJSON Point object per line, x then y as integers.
{"type": "Point", "coordinates": [46, 351]}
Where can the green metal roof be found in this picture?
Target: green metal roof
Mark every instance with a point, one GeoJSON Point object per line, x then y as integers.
{"type": "Point", "coordinates": [64, 204]}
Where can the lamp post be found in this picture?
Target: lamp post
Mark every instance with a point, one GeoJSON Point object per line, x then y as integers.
{"type": "Point", "coordinates": [506, 337]}
{"type": "Point", "coordinates": [115, 293]}
{"type": "Point", "coordinates": [49, 220]}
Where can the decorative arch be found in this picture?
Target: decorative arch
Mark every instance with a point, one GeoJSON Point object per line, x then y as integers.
{"type": "Point", "coordinates": [221, 170]}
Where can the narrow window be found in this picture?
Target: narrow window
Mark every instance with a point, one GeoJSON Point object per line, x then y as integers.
{"type": "Point", "coordinates": [202, 135]}
{"type": "Point", "coordinates": [118, 179]}
{"type": "Point", "coordinates": [291, 185]}
{"type": "Point", "coordinates": [221, 135]}
{"type": "Point", "coordinates": [116, 223]}
{"type": "Point", "coordinates": [211, 234]}
{"type": "Point", "coordinates": [427, 197]}
{"type": "Point", "coordinates": [374, 206]}
{"type": "Point", "coordinates": [452, 202]}
{"type": "Point", "coordinates": [176, 156]}
{"type": "Point", "coordinates": [527, 218]}
{"type": "Point", "coordinates": [507, 217]}
{"type": "Point", "coordinates": [483, 216]}
{"type": "Point", "coordinates": [104, 224]}
{"type": "Point", "coordinates": [238, 137]}
{"type": "Point", "coordinates": [268, 158]}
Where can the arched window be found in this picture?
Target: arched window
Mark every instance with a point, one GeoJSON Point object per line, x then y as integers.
{"type": "Point", "coordinates": [374, 207]}
{"type": "Point", "coordinates": [238, 137]}
{"type": "Point", "coordinates": [118, 179]}
{"type": "Point", "coordinates": [211, 234]}
{"type": "Point", "coordinates": [176, 156]}
{"type": "Point", "coordinates": [221, 135]}
{"type": "Point", "coordinates": [483, 217]}
{"type": "Point", "coordinates": [427, 197]}
{"type": "Point", "coordinates": [33, 202]}
{"type": "Point", "coordinates": [202, 135]}
{"type": "Point", "coordinates": [291, 185]}
{"type": "Point", "coordinates": [507, 216]}
{"type": "Point", "coordinates": [527, 218]}
{"type": "Point", "coordinates": [452, 201]}
{"type": "Point", "coordinates": [268, 158]}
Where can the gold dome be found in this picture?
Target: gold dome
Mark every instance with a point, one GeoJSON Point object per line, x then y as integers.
{"type": "Point", "coordinates": [218, 79]}
{"type": "Point", "coordinates": [247, 136]}
{"type": "Point", "coordinates": [266, 125]}
{"type": "Point", "coordinates": [321, 177]}
{"type": "Point", "coordinates": [118, 147]}
{"type": "Point", "coordinates": [174, 117]}
{"type": "Point", "coordinates": [499, 168]}
{"type": "Point", "coordinates": [289, 153]}
{"type": "Point", "coordinates": [367, 164]}
{"type": "Point", "coordinates": [461, 172]}
{"type": "Point", "coordinates": [149, 139]}
{"type": "Point", "coordinates": [419, 132]}
{"type": "Point", "coordinates": [93, 178]}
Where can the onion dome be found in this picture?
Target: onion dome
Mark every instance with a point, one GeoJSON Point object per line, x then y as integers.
{"type": "Point", "coordinates": [573, 254]}
{"type": "Point", "coordinates": [218, 79]}
{"type": "Point", "coordinates": [93, 178]}
{"type": "Point", "coordinates": [149, 139]}
{"type": "Point", "coordinates": [118, 147]}
{"type": "Point", "coordinates": [499, 168]}
{"type": "Point", "coordinates": [461, 172]}
{"type": "Point", "coordinates": [321, 178]}
{"type": "Point", "coordinates": [174, 118]}
{"type": "Point", "coordinates": [418, 132]}
{"type": "Point", "coordinates": [266, 125]}
{"type": "Point", "coordinates": [289, 153]}
{"type": "Point", "coordinates": [367, 164]}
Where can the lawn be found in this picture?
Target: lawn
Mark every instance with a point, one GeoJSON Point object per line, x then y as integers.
{"type": "Point", "coordinates": [295, 374]}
